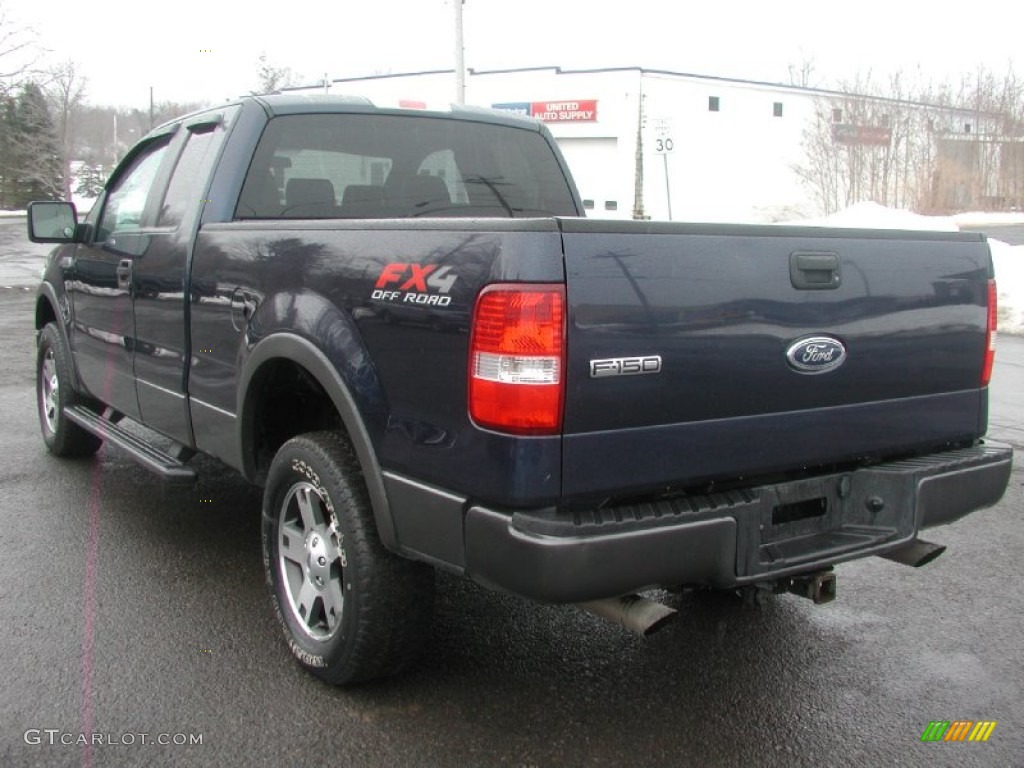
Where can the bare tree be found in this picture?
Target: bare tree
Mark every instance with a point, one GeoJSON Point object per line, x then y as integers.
{"type": "Point", "coordinates": [272, 78]}
{"type": "Point", "coordinates": [17, 51]}
{"type": "Point", "coordinates": [997, 102]}
{"type": "Point", "coordinates": [976, 138]}
{"type": "Point", "coordinates": [928, 147]}
{"type": "Point", "coordinates": [857, 144]}
{"type": "Point", "coordinates": [820, 169]}
{"type": "Point", "coordinates": [65, 92]}
{"type": "Point", "coordinates": [801, 73]}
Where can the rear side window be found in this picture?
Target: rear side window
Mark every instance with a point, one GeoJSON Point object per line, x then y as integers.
{"type": "Point", "coordinates": [183, 190]}
{"type": "Point", "coordinates": [390, 166]}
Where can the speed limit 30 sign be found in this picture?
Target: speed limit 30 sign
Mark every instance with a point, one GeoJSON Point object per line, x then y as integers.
{"type": "Point", "coordinates": [663, 143]}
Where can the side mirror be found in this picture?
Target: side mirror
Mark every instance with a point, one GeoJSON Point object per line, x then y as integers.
{"type": "Point", "coordinates": [52, 222]}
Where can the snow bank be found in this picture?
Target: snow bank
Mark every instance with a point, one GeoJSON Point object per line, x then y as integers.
{"type": "Point", "coordinates": [1009, 264]}
{"type": "Point", "coordinates": [1008, 259]}
{"type": "Point", "coordinates": [870, 215]}
{"type": "Point", "coordinates": [82, 204]}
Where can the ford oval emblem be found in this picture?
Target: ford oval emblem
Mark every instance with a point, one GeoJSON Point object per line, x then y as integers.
{"type": "Point", "coordinates": [817, 354]}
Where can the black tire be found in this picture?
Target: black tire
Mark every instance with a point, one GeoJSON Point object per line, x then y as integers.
{"type": "Point", "coordinates": [54, 394]}
{"type": "Point", "coordinates": [351, 611]}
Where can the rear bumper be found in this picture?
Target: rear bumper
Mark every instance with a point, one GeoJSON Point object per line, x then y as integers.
{"type": "Point", "coordinates": [731, 538]}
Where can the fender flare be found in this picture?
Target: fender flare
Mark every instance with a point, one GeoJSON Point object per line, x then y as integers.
{"type": "Point", "coordinates": [289, 346]}
{"type": "Point", "coordinates": [48, 293]}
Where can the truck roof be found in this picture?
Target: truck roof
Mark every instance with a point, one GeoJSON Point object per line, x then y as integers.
{"type": "Point", "coordinates": [317, 103]}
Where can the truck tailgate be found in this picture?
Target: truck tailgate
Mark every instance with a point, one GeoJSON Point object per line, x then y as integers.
{"type": "Point", "coordinates": [678, 372]}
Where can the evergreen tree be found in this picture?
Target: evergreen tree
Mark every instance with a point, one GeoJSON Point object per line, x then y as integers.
{"type": "Point", "coordinates": [34, 150]}
{"type": "Point", "coordinates": [7, 160]}
{"type": "Point", "coordinates": [91, 179]}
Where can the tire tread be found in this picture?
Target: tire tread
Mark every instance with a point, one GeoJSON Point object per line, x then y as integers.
{"type": "Point", "coordinates": [395, 604]}
{"type": "Point", "coordinates": [69, 440]}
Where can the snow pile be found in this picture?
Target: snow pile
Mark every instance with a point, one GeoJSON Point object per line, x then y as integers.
{"type": "Point", "coordinates": [1009, 264]}
{"type": "Point", "coordinates": [1008, 259]}
{"type": "Point", "coordinates": [868, 215]}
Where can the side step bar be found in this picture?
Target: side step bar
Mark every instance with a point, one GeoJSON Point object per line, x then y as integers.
{"type": "Point", "coordinates": [152, 458]}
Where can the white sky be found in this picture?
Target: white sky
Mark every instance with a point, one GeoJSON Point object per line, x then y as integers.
{"type": "Point", "coordinates": [124, 47]}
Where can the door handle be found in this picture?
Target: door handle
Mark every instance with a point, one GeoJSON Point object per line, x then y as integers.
{"type": "Point", "coordinates": [815, 270]}
{"type": "Point", "coordinates": [124, 273]}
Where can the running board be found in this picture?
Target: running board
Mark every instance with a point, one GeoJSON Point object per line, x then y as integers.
{"type": "Point", "coordinates": [152, 458]}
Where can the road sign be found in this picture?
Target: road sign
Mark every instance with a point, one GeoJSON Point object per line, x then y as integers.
{"type": "Point", "coordinates": [663, 141]}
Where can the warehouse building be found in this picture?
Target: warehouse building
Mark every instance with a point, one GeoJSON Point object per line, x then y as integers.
{"type": "Point", "coordinates": [645, 143]}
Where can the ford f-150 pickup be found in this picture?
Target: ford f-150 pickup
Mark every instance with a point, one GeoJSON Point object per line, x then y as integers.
{"type": "Point", "coordinates": [399, 324]}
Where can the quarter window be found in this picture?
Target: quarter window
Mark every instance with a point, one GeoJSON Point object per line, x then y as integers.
{"type": "Point", "coordinates": [183, 190]}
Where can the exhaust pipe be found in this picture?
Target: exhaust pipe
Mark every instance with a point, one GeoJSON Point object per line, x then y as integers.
{"type": "Point", "coordinates": [637, 614]}
{"type": "Point", "coordinates": [915, 554]}
{"type": "Point", "coordinates": [819, 587]}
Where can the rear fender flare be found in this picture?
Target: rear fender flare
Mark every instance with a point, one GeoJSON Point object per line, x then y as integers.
{"type": "Point", "coordinates": [297, 349]}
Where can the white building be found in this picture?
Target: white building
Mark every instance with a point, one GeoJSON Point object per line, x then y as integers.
{"type": "Point", "coordinates": [710, 148]}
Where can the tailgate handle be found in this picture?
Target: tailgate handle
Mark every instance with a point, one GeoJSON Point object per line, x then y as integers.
{"type": "Point", "coordinates": [814, 270]}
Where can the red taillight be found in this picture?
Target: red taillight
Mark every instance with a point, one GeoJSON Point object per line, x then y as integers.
{"type": "Point", "coordinates": [990, 335]}
{"type": "Point", "coordinates": [517, 358]}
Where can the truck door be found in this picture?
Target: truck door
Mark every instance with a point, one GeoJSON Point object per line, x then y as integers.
{"type": "Point", "coordinates": [160, 281]}
{"type": "Point", "coordinates": [103, 334]}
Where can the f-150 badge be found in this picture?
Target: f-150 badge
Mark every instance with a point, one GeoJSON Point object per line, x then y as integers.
{"type": "Point", "coordinates": [817, 354]}
{"type": "Point", "coordinates": [625, 366]}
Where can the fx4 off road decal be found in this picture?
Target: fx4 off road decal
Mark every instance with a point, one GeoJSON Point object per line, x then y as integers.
{"type": "Point", "coordinates": [415, 284]}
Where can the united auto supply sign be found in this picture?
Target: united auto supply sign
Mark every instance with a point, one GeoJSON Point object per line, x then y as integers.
{"type": "Point", "coordinates": [579, 111]}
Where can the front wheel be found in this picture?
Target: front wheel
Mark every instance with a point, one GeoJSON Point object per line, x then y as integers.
{"type": "Point", "coordinates": [54, 394]}
{"type": "Point", "coordinates": [351, 611]}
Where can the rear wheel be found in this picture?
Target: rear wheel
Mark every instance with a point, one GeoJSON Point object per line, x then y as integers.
{"type": "Point", "coordinates": [54, 394]}
{"type": "Point", "coordinates": [350, 610]}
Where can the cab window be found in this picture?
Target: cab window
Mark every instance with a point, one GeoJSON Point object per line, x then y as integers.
{"type": "Point", "coordinates": [186, 181]}
{"type": "Point", "coordinates": [126, 199]}
{"type": "Point", "coordinates": [372, 166]}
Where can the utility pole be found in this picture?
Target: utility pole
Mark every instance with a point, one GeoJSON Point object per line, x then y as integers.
{"type": "Point", "coordinates": [460, 55]}
{"type": "Point", "coordinates": [638, 174]}
{"type": "Point", "coordinates": [151, 107]}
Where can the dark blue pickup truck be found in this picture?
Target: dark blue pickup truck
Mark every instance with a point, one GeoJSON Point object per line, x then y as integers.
{"type": "Point", "coordinates": [401, 326]}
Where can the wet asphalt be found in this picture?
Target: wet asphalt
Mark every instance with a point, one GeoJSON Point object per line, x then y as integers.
{"type": "Point", "coordinates": [168, 585]}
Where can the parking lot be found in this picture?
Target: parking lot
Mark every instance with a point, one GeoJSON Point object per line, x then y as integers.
{"type": "Point", "coordinates": [128, 608]}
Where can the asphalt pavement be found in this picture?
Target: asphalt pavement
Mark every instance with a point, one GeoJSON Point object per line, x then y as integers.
{"type": "Point", "coordinates": [1012, 234]}
{"type": "Point", "coordinates": [21, 261]}
{"type": "Point", "coordinates": [128, 608]}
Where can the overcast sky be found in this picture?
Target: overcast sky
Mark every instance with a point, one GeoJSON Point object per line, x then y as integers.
{"type": "Point", "coordinates": [207, 51]}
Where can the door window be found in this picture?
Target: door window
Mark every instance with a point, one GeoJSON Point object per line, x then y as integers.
{"type": "Point", "coordinates": [126, 200]}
